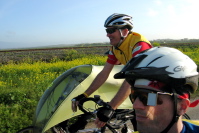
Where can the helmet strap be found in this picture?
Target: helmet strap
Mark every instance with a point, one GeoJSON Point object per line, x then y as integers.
{"type": "Point", "coordinates": [175, 115]}
{"type": "Point", "coordinates": [122, 38]}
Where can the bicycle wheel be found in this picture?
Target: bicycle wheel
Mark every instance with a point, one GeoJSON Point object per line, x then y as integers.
{"type": "Point", "coordinates": [28, 129]}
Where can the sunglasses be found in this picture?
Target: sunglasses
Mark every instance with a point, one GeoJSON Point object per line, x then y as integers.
{"type": "Point", "coordinates": [111, 30]}
{"type": "Point", "coordinates": [147, 97]}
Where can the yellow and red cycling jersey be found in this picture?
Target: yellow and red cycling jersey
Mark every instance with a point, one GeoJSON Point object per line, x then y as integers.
{"type": "Point", "coordinates": [132, 45]}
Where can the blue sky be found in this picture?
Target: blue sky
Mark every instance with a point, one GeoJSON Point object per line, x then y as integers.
{"type": "Point", "coordinates": [30, 23]}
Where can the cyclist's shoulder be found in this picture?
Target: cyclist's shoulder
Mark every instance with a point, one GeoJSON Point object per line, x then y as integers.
{"type": "Point", "coordinates": [195, 122]}
{"type": "Point", "coordinates": [190, 125]}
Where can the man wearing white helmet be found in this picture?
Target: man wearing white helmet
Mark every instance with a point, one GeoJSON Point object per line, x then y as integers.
{"type": "Point", "coordinates": [125, 45]}
{"type": "Point", "coordinates": [161, 80]}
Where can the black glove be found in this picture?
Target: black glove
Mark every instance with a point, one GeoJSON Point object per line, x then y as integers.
{"type": "Point", "coordinates": [105, 113]}
{"type": "Point", "coordinates": [75, 99]}
{"type": "Point", "coordinates": [79, 97]}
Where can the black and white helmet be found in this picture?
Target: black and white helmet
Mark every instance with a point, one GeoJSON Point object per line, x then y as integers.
{"type": "Point", "coordinates": [164, 64]}
{"type": "Point", "coordinates": [119, 21]}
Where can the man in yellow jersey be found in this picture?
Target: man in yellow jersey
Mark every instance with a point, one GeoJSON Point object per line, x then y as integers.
{"type": "Point", "coordinates": [125, 45]}
{"type": "Point", "coordinates": [162, 80]}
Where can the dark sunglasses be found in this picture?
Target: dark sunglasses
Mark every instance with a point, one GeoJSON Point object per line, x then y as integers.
{"type": "Point", "coordinates": [111, 30]}
{"type": "Point", "coordinates": [147, 97]}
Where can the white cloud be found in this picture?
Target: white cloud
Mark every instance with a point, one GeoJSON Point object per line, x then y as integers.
{"type": "Point", "coordinates": [185, 17]}
{"type": "Point", "coordinates": [152, 12]}
{"type": "Point", "coordinates": [158, 2]}
{"type": "Point", "coordinates": [171, 10]}
{"type": "Point", "coordinates": [192, 1]}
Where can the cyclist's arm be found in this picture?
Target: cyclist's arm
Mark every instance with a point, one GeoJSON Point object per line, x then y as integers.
{"type": "Point", "coordinates": [112, 59]}
{"type": "Point", "coordinates": [121, 95]}
{"type": "Point", "coordinates": [139, 47]}
{"type": "Point", "coordinates": [100, 79]}
{"type": "Point", "coordinates": [125, 89]}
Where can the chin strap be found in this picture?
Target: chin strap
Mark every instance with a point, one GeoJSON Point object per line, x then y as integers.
{"type": "Point", "coordinates": [121, 39]}
{"type": "Point", "coordinates": [175, 115]}
{"type": "Point", "coordinates": [134, 122]}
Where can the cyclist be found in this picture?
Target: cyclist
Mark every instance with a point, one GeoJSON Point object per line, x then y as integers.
{"type": "Point", "coordinates": [161, 80]}
{"type": "Point", "coordinates": [125, 45]}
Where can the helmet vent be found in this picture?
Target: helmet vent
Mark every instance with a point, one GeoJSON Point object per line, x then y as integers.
{"type": "Point", "coordinates": [154, 60]}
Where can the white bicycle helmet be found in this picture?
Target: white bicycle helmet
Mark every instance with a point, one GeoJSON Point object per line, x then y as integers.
{"type": "Point", "coordinates": [119, 21]}
{"type": "Point", "coordinates": [164, 64]}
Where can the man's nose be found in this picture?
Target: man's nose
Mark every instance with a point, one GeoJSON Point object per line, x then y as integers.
{"type": "Point", "coordinates": [108, 35]}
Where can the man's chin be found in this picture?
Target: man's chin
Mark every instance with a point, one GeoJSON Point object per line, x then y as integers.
{"type": "Point", "coordinates": [113, 44]}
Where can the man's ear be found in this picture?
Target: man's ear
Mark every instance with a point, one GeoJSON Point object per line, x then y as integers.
{"type": "Point", "coordinates": [125, 31]}
{"type": "Point", "coordinates": [183, 105]}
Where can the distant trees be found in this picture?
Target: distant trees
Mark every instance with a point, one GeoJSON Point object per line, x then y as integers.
{"type": "Point", "coordinates": [165, 41]}
{"type": "Point", "coordinates": [156, 44]}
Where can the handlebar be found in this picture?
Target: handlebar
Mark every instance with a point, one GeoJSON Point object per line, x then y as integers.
{"type": "Point", "coordinates": [123, 115]}
{"type": "Point", "coordinates": [96, 99]}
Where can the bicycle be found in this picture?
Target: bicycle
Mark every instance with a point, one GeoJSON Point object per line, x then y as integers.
{"type": "Point", "coordinates": [117, 122]}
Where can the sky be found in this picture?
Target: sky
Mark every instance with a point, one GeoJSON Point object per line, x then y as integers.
{"type": "Point", "coordinates": [33, 23]}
